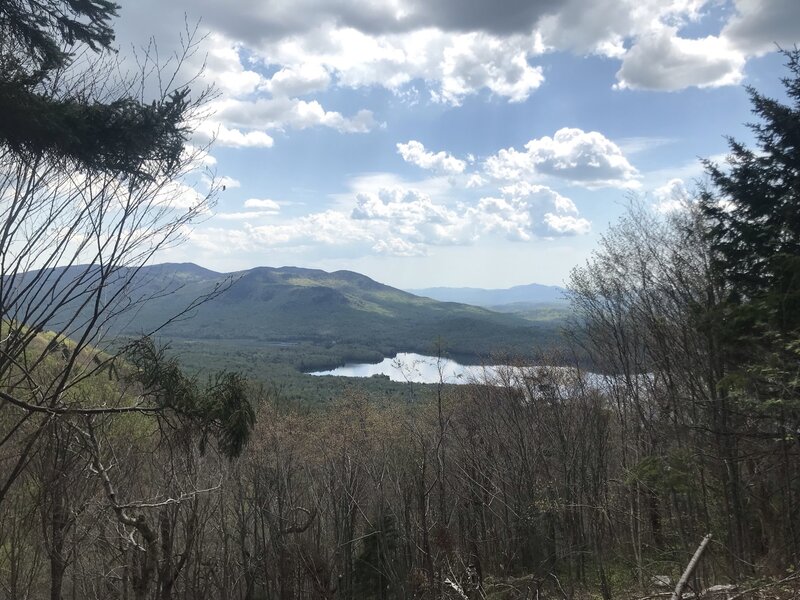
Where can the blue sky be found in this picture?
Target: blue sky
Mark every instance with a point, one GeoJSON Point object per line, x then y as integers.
{"type": "Point", "coordinates": [453, 142]}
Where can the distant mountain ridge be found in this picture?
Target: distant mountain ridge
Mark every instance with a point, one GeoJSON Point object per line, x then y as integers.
{"type": "Point", "coordinates": [533, 293]}
{"type": "Point", "coordinates": [337, 310]}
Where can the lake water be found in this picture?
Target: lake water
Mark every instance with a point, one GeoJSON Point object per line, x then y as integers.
{"type": "Point", "coordinates": [417, 368]}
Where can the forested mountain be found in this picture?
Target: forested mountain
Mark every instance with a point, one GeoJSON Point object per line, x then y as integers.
{"type": "Point", "coordinates": [291, 304]}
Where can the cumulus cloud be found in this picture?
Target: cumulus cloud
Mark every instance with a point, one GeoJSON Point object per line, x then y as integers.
{"type": "Point", "coordinates": [179, 195]}
{"type": "Point", "coordinates": [671, 196]}
{"type": "Point", "coordinates": [453, 65]}
{"type": "Point", "coordinates": [231, 137]}
{"type": "Point", "coordinates": [475, 180]}
{"type": "Point", "coordinates": [661, 60]}
{"type": "Point", "coordinates": [262, 204]}
{"type": "Point", "coordinates": [402, 222]}
{"type": "Point", "coordinates": [523, 189]}
{"type": "Point", "coordinates": [283, 113]}
{"type": "Point", "coordinates": [566, 224]}
{"type": "Point", "coordinates": [414, 217]}
{"type": "Point", "coordinates": [223, 68]}
{"type": "Point", "coordinates": [414, 152]}
{"type": "Point", "coordinates": [298, 81]}
{"type": "Point", "coordinates": [527, 211]}
{"type": "Point", "coordinates": [457, 48]}
{"type": "Point", "coordinates": [229, 182]}
{"type": "Point", "coordinates": [585, 158]}
{"type": "Point", "coordinates": [475, 61]}
{"type": "Point", "coordinates": [416, 220]}
{"type": "Point", "coordinates": [758, 25]}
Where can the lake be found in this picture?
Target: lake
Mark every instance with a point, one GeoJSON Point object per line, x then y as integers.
{"type": "Point", "coordinates": [416, 368]}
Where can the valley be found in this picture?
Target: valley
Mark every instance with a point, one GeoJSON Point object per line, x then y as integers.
{"type": "Point", "coordinates": [277, 324]}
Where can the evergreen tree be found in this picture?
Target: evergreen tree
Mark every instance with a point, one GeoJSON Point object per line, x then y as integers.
{"type": "Point", "coordinates": [42, 117]}
{"type": "Point", "coordinates": [753, 209]}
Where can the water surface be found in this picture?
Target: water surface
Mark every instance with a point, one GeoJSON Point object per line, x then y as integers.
{"type": "Point", "coordinates": [416, 368]}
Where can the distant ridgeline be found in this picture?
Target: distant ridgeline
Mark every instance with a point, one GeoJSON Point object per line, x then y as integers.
{"type": "Point", "coordinates": [533, 293]}
{"type": "Point", "coordinates": [291, 304]}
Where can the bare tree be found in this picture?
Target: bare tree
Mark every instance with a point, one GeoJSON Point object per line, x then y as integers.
{"type": "Point", "coordinates": [73, 241]}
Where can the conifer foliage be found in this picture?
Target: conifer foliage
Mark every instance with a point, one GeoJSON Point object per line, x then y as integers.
{"type": "Point", "coordinates": [753, 208]}
{"type": "Point", "coordinates": [44, 117]}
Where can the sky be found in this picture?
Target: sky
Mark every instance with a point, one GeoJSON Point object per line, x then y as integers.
{"type": "Point", "coordinates": [482, 143]}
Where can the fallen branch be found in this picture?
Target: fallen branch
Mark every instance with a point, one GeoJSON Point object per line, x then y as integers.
{"type": "Point", "coordinates": [746, 593]}
{"type": "Point", "coordinates": [678, 593]}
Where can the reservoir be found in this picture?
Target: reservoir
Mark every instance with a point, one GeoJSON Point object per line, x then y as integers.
{"type": "Point", "coordinates": [415, 368]}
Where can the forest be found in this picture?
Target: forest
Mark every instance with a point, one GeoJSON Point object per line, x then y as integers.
{"type": "Point", "coordinates": [673, 413]}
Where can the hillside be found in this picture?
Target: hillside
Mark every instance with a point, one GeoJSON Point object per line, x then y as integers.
{"type": "Point", "coordinates": [533, 293]}
{"type": "Point", "coordinates": [316, 318]}
{"type": "Point", "coordinates": [291, 304]}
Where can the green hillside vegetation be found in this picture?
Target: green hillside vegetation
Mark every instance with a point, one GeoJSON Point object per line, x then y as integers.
{"type": "Point", "coordinates": [312, 320]}
{"type": "Point", "coordinates": [536, 311]}
{"type": "Point", "coordinates": [43, 360]}
{"type": "Point", "coordinates": [342, 308]}
{"type": "Point", "coordinates": [275, 324]}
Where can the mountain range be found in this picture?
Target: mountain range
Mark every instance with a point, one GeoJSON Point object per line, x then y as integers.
{"type": "Point", "coordinates": [533, 293]}
{"type": "Point", "coordinates": [295, 304]}
{"type": "Point", "coordinates": [312, 318]}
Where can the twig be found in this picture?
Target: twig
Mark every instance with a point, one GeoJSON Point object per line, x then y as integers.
{"type": "Point", "coordinates": [744, 594]}
{"type": "Point", "coordinates": [559, 586]}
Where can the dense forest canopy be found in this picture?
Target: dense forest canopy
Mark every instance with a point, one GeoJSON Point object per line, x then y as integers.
{"type": "Point", "coordinates": [123, 477]}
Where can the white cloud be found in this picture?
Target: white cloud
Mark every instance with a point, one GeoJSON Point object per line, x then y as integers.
{"type": "Point", "coordinates": [329, 227]}
{"type": "Point", "coordinates": [475, 180]}
{"type": "Point", "coordinates": [414, 217]}
{"type": "Point", "coordinates": [298, 81]}
{"type": "Point", "coordinates": [671, 196]}
{"type": "Point", "coordinates": [760, 24]}
{"type": "Point", "coordinates": [414, 152]}
{"type": "Point", "coordinates": [259, 208]}
{"type": "Point", "coordinates": [542, 193]}
{"type": "Point", "coordinates": [223, 67]}
{"type": "Point", "coordinates": [566, 224]}
{"type": "Point", "coordinates": [661, 60]}
{"type": "Point", "coordinates": [475, 61]}
{"type": "Point", "coordinates": [282, 113]}
{"type": "Point", "coordinates": [229, 182]}
{"type": "Point", "coordinates": [180, 196]}
{"type": "Point", "coordinates": [459, 50]}
{"type": "Point", "coordinates": [199, 155]}
{"type": "Point", "coordinates": [234, 138]}
{"type": "Point", "coordinates": [527, 211]}
{"type": "Point", "coordinates": [262, 204]}
{"type": "Point", "coordinates": [245, 215]}
{"type": "Point", "coordinates": [398, 247]}
{"type": "Point", "coordinates": [585, 158]}
{"type": "Point", "coordinates": [402, 222]}
{"type": "Point", "coordinates": [453, 65]}
{"type": "Point", "coordinates": [511, 218]}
